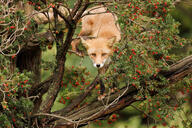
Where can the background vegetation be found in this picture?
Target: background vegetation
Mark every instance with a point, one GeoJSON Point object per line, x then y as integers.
{"type": "Point", "coordinates": [152, 40]}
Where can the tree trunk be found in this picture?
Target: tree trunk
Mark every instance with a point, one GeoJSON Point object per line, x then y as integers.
{"type": "Point", "coordinates": [29, 58]}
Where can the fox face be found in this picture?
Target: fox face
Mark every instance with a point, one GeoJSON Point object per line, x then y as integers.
{"type": "Point", "coordinates": [99, 50]}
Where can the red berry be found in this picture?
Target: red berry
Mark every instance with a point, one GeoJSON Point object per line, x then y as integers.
{"type": "Point", "coordinates": [12, 27]}
{"type": "Point", "coordinates": [13, 119]}
{"type": "Point", "coordinates": [129, 4]}
{"type": "Point", "coordinates": [164, 124]}
{"type": "Point", "coordinates": [114, 116]}
{"type": "Point", "coordinates": [25, 81]}
{"type": "Point", "coordinates": [13, 56]}
{"type": "Point", "coordinates": [165, 3]}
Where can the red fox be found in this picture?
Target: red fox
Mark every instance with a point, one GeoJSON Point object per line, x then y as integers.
{"type": "Point", "coordinates": [102, 27]}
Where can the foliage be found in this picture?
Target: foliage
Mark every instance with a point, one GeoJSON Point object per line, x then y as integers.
{"type": "Point", "coordinates": [149, 36]}
{"type": "Point", "coordinates": [14, 89]}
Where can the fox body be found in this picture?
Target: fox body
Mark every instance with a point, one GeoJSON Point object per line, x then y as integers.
{"type": "Point", "coordinates": [96, 23]}
{"type": "Point", "coordinates": [102, 27]}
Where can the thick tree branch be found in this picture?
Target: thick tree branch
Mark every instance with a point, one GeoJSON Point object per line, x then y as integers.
{"type": "Point", "coordinates": [179, 69]}
{"type": "Point", "coordinates": [54, 86]}
{"type": "Point", "coordinates": [96, 109]}
{"type": "Point", "coordinates": [67, 21]}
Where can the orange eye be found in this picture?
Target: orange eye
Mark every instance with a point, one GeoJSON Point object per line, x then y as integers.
{"type": "Point", "coordinates": [104, 54]}
{"type": "Point", "coordinates": [93, 54]}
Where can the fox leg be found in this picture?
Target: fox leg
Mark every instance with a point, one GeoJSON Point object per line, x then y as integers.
{"type": "Point", "coordinates": [114, 87]}
{"type": "Point", "coordinates": [102, 90]}
{"type": "Point", "coordinates": [74, 44]}
{"type": "Point", "coordinates": [75, 49]}
{"type": "Point", "coordinates": [102, 87]}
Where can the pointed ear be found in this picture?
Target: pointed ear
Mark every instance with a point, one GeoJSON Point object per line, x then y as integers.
{"type": "Point", "coordinates": [111, 41]}
{"type": "Point", "coordinates": [84, 42]}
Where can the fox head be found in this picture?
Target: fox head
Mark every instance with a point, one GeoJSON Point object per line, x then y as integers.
{"type": "Point", "coordinates": [99, 50]}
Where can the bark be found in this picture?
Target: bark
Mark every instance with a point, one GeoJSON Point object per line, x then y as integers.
{"type": "Point", "coordinates": [54, 86]}
{"type": "Point", "coordinates": [178, 70]}
{"type": "Point", "coordinates": [29, 58]}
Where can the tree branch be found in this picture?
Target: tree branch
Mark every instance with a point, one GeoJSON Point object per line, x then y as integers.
{"type": "Point", "coordinates": [76, 7]}
{"type": "Point", "coordinates": [179, 69]}
{"type": "Point", "coordinates": [67, 21]}
{"type": "Point", "coordinates": [96, 109]}
{"type": "Point", "coordinates": [81, 11]}
{"type": "Point", "coordinates": [54, 86]}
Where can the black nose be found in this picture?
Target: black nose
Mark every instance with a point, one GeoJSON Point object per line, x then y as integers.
{"type": "Point", "coordinates": [98, 65]}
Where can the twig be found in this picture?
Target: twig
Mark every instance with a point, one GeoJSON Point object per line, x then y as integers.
{"type": "Point", "coordinates": [76, 53]}
{"type": "Point", "coordinates": [142, 112]}
{"type": "Point", "coordinates": [53, 115]}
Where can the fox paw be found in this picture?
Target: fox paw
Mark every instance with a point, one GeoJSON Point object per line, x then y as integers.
{"type": "Point", "coordinates": [101, 97]}
{"type": "Point", "coordinates": [80, 53]}
{"type": "Point", "coordinates": [112, 90]}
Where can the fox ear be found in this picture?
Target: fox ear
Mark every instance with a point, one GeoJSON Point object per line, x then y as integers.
{"type": "Point", "coordinates": [84, 42]}
{"type": "Point", "coordinates": [111, 41]}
